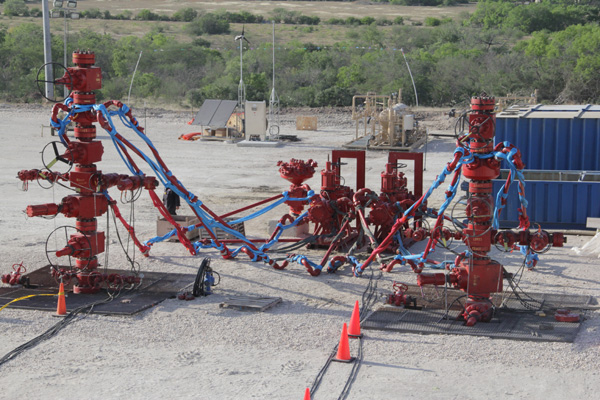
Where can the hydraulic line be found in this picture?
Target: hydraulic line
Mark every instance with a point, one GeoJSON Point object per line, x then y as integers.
{"type": "Point", "coordinates": [24, 298]}
{"type": "Point", "coordinates": [54, 330]}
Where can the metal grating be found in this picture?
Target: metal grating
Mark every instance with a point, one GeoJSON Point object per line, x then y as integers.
{"type": "Point", "coordinates": [512, 320]}
{"type": "Point", "coordinates": [506, 325]}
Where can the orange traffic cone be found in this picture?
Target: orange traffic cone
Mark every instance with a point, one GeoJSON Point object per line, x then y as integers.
{"type": "Point", "coordinates": [307, 394]}
{"type": "Point", "coordinates": [61, 308]}
{"type": "Point", "coordinates": [354, 328]}
{"type": "Point", "coordinates": [343, 353]}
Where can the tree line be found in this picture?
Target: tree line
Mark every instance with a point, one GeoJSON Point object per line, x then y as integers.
{"type": "Point", "coordinates": [18, 8]}
{"type": "Point", "coordinates": [503, 47]}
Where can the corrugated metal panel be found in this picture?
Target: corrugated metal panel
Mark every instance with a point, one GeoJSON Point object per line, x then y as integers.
{"type": "Point", "coordinates": [553, 143]}
{"type": "Point", "coordinates": [549, 111]}
{"type": "Point", "coordinates": [553, 204]}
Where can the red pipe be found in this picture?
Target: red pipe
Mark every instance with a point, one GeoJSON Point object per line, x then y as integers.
{"type": "Point", "coordinates": [252, 206]}
{"type": "Point", "coordinates": [143, 248]}
{"type": "Point", "coordinates": [282, 221]}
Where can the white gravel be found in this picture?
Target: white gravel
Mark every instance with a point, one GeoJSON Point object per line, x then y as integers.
{"type": "Point", "coordinates": [197, 350]}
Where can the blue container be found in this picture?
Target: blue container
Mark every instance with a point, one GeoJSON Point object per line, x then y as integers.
{"type": "Point", "coordinates": [557, 199]}
{"type": "Point", "coordinates": [553, 137]}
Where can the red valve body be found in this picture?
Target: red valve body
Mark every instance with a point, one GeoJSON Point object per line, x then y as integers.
{"type": "Point", "coordinates": [89, 183]}
{"type": "Point", "coordinates": [296, 172]}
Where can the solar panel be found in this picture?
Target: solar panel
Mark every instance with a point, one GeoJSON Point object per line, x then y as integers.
{"type": "Point", "coordinates": [215, 113]}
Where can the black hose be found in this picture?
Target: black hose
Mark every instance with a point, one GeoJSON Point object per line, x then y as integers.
{"type": "Point", "coordinates": [54, 330]}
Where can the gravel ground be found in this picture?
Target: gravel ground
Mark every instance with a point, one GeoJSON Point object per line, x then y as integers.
{"type": "Point", "coordinates": [197, 350]}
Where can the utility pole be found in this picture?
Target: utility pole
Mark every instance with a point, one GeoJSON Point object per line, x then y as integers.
{"type": "Point", "coordinates": [47, 51]}
{"type": "Point", "coordinates": [65, 9]}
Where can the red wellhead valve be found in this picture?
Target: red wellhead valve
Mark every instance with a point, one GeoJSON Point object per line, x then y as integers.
{"type": "Point", "coordinates": [399, 297]}
{"type": "Point", "coordinates": [16, 277]}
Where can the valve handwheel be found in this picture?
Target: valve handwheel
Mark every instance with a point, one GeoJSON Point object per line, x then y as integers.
{"type": "Point", "coordinates": [444, 236]}
{"type": "Point", "coordinates": [400, 287]}
{"type": "Point", "coordinates": [54, 80]}
{"type": "Point", "coordinates": [462, 214]}
{"type": "Point", "coordinates": [57, 235]}
{"type": "Point", "coordinates": [540, 241]}
{"type": "Point", "coordinates": [504, 241]}
{"type": "Point", "coordinates": [53, 175]}
{"type": "Point", "coordinates": [58, 157]}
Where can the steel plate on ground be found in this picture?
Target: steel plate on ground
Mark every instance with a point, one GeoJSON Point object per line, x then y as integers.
{"type": "Point", "coordinates": [155, 288]}
{"type": "Point", "coordinates": [248, 303]}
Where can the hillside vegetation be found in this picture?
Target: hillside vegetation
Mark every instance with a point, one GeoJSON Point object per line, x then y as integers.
{"type": "Point", "coordinates": [189, 55]}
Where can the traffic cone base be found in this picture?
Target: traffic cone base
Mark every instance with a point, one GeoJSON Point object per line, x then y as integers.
{"type": "Point", "coordinates": [61, 308]}
{"type": "Point", "coordinates": [343, 353]}
{"type": "Point", "coordinates": [354, 328]}
{"type": "Point", "coordinates": [351, 359]}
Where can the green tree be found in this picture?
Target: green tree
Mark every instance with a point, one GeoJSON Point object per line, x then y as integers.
{"type": "Point", "coordinates": [125, 15]}
{"type": "Point", "coordinates": [208, 23]}
{"type": "Point", "coordinates": [146, 84]}
{"type": "Point", "coordinates": [352, 21]}
{"type": "Point", "coordinates": [185, 14]}
{"type": "Point", "coordinates": [307, 20]}
{"type": "Point", "coordinates": [257, 87]}
{"type": "Point", "coordinates": [334, 96]}
{"type": "Point", "coordinates": [372, 36]}
{"type": "Point", "coordinates": [21, 55]}
{"type": "Point", "coordinates": [35, 12]}
{"type": "Point", "coordinates": [13, 8]}
{"type": "Point", "coordinates": [432, 21]}
{"type": "Point", "coordinates": [367, 20]}
{"type": "Point", "coordinates": [92, 13]}
{"type": "Point", "coordinates": [335, 21]}
{"type": "Point", "coordinates": [284, 16]}
{"type": "Point", "coordinates": [567, 63]}
{"type": "Point", "coordinates": [147, 15]}
{"type": "Point", "coordinates": [125, 55]}
{"type": "Point", "coordinates": [491, 14]}
{"type": "Point", "coordinates": [350, 76]}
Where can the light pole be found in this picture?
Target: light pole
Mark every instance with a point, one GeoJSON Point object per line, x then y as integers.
{"type": "Point", "coordinates": [65, 9]}
{"type": "Point", "coordinates": [48, 72]}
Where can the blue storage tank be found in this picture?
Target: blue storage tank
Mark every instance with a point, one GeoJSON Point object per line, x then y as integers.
{"type": "Point", "coordinates": [553, 137]}
{"type": "Point", "coordinates": [556, 199]}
